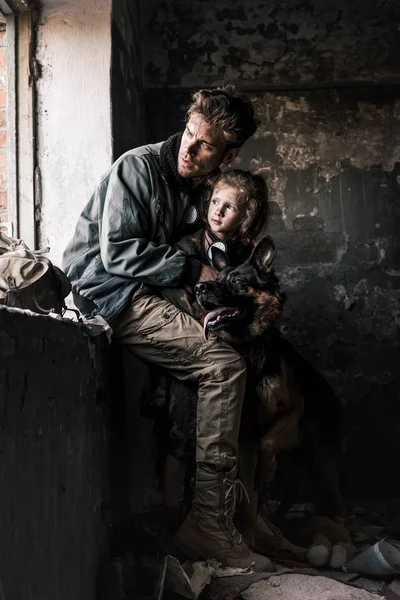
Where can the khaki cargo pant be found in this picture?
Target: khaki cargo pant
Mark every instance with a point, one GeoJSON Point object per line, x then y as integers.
{"type": "Point", "coordinates": [159, 333]}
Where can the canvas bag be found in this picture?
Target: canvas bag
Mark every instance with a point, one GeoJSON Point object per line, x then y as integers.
{"type": "Point", "coordinates": [29, 280]}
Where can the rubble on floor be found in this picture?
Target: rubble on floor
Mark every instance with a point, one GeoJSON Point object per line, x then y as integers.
{"type": "Point", "coordinates": [305, 587]}
{"type": "Point", "coordinates": [140, 573]}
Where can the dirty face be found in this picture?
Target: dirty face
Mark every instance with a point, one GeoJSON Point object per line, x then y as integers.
{"type": "Point", "coordinates": [224, 211]}
{"type": "Point", "coordinates": [202, 149]}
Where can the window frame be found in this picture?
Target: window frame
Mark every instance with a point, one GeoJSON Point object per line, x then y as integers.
{"type": "Point", "coordinates": [21, 119]}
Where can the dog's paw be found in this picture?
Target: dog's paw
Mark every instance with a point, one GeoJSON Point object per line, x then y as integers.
{"type": "Point", "coordinates": [317, 555]}
{"type": "Point", "coordinates": [339, 556]}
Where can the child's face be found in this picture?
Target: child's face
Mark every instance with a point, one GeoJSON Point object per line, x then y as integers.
{"type": "Point", "coordinates": [224, 211]}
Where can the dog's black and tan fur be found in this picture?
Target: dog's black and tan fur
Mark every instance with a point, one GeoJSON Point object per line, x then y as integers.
{"type": "Point", "coordinates": [288, 406]}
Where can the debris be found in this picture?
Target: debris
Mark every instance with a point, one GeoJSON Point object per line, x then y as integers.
{"type": "Point", "coordinates": [190, 578]}
{"type": "Point", "coordinates": [301, 587]}
{"type": "Point", "coordinates": [379, 560]}
{"type": "Point", "coordinates": [368, 532]}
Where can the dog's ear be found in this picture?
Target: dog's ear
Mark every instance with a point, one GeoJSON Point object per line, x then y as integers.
{"type": "Point", "coordinates": [264, 253]}
{"type": "Point", "coordinates": [219, 258]}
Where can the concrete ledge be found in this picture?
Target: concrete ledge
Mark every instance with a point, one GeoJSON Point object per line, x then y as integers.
{"type": "Point", "coordinates": [53, 458]}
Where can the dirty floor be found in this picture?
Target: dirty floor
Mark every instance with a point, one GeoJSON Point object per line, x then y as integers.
{"type": "Point", "coordinates": [140, 549]}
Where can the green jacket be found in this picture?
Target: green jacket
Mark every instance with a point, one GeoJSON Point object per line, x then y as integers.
{"type": "Point", "coordinates": [122, 236]}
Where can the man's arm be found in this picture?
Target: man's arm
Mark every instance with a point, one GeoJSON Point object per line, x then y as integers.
{"type": "Point", "coordinates": [125, 247]}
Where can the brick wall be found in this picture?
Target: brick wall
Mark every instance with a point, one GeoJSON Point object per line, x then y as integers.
{"type": "Point", "coordinates": [3, 123]}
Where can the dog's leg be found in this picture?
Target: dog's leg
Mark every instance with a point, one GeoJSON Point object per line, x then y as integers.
{"type": "Point", "coordinates": [281, 434]}
{"type": "Point", "coordinates": [286, 483]}
{"type": "Point", "coordinates": [327, 473]}
{"type": "Point", "coordinates": [324, 463]}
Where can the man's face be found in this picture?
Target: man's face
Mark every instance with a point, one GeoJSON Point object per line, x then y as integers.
{"type": "Point", "coordinates": [202, 149]}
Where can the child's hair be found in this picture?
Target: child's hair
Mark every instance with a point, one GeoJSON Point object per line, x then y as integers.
{"type": "Point", "coordinates": [252, 194]}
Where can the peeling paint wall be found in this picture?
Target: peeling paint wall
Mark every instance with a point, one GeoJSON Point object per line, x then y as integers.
{"type": "Point", "coordinates": [74, 112]}
{"type": "Point", "coordinates": [332, 162]}
{"type": "Point", "coordinates": [270, 42]}
{"type": "Point", "coordinates": [331, 156]}
{"type": "Point", "coordinates": [126, 78]}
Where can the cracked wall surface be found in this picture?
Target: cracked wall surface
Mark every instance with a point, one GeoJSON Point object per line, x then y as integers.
{"type": "Point", "coordinates": [270, 42]}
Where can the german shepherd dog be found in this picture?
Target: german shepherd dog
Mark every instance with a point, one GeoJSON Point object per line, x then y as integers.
{"type": "Point", "coordinates": [289, 407]}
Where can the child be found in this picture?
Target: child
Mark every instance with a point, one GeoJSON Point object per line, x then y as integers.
{"type": "Point", "coordinates": [235, 212]}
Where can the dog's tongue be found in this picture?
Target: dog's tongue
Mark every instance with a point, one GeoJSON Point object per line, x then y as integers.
{"type": "Point", "coordinates": [212, 316]}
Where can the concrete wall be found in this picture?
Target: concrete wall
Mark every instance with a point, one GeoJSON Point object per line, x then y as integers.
{"type": "Point", "coordinates": [54, 467]}
{"type": "Point", "coordinates": [74, 111]}
{"type": "Point", "coordinates": [329, 151]}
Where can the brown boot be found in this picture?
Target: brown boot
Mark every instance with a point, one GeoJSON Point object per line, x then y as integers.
{"type": "Point", "coordinates": [208, 531]}
{"type": "Point", "coordinates": [271, 541]}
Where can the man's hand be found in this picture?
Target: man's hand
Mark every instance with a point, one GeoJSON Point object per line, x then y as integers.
{"type": "Point", "coordinates": [207, 273]}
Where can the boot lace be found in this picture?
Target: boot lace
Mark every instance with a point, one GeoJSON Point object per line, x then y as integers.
{"type": "Point", "coordinates": [235, 492]}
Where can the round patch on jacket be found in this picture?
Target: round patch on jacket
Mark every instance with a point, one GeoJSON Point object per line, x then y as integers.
{"type": "Point", "coordinates": [191, 215]}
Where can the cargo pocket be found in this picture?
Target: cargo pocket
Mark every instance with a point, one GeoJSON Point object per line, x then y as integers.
{"type": "Point", "coordinates": [151, 314]}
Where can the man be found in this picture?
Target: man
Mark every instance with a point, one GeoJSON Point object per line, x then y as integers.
{"type": "Point", "coordinates": [121, 246]}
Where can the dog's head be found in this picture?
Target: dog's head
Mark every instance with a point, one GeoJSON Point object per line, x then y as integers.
{"type": "Point", "coordinates": [243, 302]}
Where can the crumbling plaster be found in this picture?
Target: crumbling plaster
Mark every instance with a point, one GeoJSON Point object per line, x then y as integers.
{"type": "Point", "coordinates": [333, 172]}
{"type": "Point", "coordinates": [321, 131]}
{"type": "Point", "coordinates": [283, 42]}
